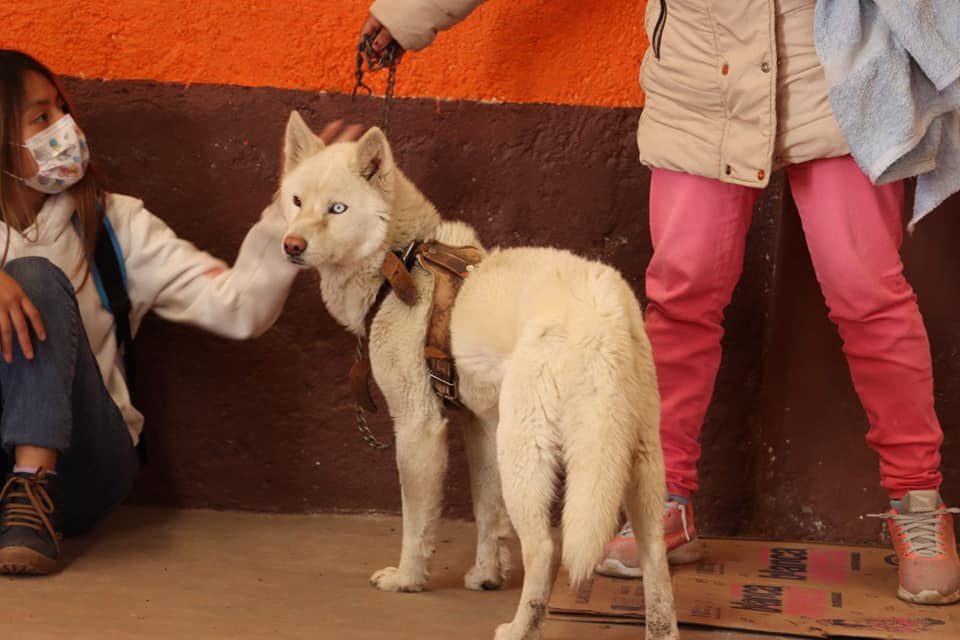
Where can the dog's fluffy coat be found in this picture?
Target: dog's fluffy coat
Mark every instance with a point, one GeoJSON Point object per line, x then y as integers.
{"type": "Point", "coordinates": [553, 362]}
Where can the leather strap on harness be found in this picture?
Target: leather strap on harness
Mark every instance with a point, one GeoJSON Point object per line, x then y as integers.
{"type": "Point", "coordinates": [359, 378]}
{"type": "Point", "coordinates": [396, 276]}
{"type": "Point", "coordinates": [449, 266]}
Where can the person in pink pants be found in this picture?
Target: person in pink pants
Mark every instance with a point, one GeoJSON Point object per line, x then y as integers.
{"type": "Point", "coordinates": [853, 230]}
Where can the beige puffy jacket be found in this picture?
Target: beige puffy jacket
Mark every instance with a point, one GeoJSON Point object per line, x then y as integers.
{"type": "Point", "coordinates": [733, 88]}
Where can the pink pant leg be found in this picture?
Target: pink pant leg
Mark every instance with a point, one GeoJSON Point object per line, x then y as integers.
{"type": "Point", "coordinates": [699, 229]}
{"type": "Point", "coordinates": [854, 230]}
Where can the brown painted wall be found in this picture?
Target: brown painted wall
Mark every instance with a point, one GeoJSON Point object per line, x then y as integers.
{"type": "Point", "coordinates": [268, 424]}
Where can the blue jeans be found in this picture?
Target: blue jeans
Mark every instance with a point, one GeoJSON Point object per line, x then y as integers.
{"type": "Point", "coordinates": [59, 401]}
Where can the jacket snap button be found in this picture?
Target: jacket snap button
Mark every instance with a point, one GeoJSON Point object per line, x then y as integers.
{"type": "Point", "coordinates": [725, 69]}
{"type": "Point", "coordinates": [728, 169]}
{"type": "Point", "coordinates": [765, 67]}
{"type": "Point", "coordinates": [761, 174]}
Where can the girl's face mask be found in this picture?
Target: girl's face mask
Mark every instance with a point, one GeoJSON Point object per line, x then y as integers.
{"type": "Point", "coordinates": [61, 154]}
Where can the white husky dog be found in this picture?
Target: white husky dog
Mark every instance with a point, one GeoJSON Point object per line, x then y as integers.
{"type": "Point", "coordinates": [553, 362]}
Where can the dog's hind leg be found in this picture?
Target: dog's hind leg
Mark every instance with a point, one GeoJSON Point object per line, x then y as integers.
{"type": "Point", "coordinates": [492, 565]}
{"type": "Point", "coordinates": [528, 454]}
{"type": "Point", "coordinates": [421, 442]}
{"type": "Point", "coordinates": [644, 504]}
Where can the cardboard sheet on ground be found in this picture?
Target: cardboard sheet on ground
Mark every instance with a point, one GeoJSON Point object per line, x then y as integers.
{"type": "Point", "coordinates": [804, 589]}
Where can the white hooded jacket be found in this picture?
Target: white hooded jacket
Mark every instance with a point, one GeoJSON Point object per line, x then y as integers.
{"type": "Point", "coordinates": [165, 274]}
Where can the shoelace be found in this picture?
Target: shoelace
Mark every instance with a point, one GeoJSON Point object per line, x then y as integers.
{"type": "Point", "coordinates": [921, 530]}
{"type": "Point", "coordinates": [34, 512]}
{"type": "Point", "coordinates": [627, 530]}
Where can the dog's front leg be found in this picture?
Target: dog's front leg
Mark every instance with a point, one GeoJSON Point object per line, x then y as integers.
{"type": "Point", "coordinates": [422, 462]}
{"type": "Point", "coordinates": [492, 566]}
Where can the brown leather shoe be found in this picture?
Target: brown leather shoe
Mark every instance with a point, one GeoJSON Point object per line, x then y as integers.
{"type": "Point", "coordinates": [29, 524]}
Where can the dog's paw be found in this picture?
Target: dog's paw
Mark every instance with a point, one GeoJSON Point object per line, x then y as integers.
{"type": "Point", "coordinates": [510, 631]}
{"type": "Point", "coordinates": [390, 579]}
{"type": "Point", "coordinates": [484, 578]}
{"type": "Point", "coordinates": [489, 574]}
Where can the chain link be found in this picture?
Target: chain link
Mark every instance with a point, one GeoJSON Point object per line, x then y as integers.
{"type": "Point", "coordinates": [362, 425]}
{"type": "Point", "coordinates": [385, 60]}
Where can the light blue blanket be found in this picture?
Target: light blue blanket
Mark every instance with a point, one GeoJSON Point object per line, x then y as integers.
{"type": "Point", "coordinates": [893, 68]}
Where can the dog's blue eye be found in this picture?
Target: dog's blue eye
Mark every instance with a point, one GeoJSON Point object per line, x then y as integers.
{"type": "Point", "coordinates": [338, 207]}
{"type": "Point", "coordinates": [296, 201]}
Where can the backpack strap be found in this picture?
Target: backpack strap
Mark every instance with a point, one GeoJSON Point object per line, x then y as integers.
{"type": "Point", "coordinates": [110, 278]}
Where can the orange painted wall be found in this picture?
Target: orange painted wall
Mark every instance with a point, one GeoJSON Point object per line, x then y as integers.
{"type": "Point", "coordinates": [559, 51]}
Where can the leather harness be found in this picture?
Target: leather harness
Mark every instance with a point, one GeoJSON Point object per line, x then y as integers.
{"type": "Point", "coordinates": [450, 266]}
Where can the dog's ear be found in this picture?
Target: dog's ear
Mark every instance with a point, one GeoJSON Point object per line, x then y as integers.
{"type": "Point", "coordinates": [299, 143]}
{"type": "Point", "coordinates": [374, 159]}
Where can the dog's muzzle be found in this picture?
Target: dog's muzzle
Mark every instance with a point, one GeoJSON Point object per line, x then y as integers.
{"type": "Point", "coordinates": [294, 246]}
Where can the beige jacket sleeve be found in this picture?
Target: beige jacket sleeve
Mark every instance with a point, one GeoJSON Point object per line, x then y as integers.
{"type": "Point", "coordinates": [415, 23]}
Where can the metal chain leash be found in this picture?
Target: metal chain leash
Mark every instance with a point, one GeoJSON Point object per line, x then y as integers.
{"type": "Point", "coordinates": [362, 425]}
{"type": "Point", "coordinates": [386, 60]}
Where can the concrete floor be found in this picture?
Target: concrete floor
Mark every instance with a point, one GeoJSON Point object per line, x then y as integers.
{"type": "Point", "coordinates": [150, 573]}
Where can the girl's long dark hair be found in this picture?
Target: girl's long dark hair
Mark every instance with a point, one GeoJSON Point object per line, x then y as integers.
{"type": "Point", "coordinates": [15, 213]}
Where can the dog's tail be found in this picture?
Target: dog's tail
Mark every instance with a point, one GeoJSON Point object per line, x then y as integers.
{"type": "Point", "coordinates": [618, 402]}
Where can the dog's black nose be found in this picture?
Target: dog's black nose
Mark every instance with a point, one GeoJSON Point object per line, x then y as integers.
{"type": "Point", "coordinates": [294, 245]}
